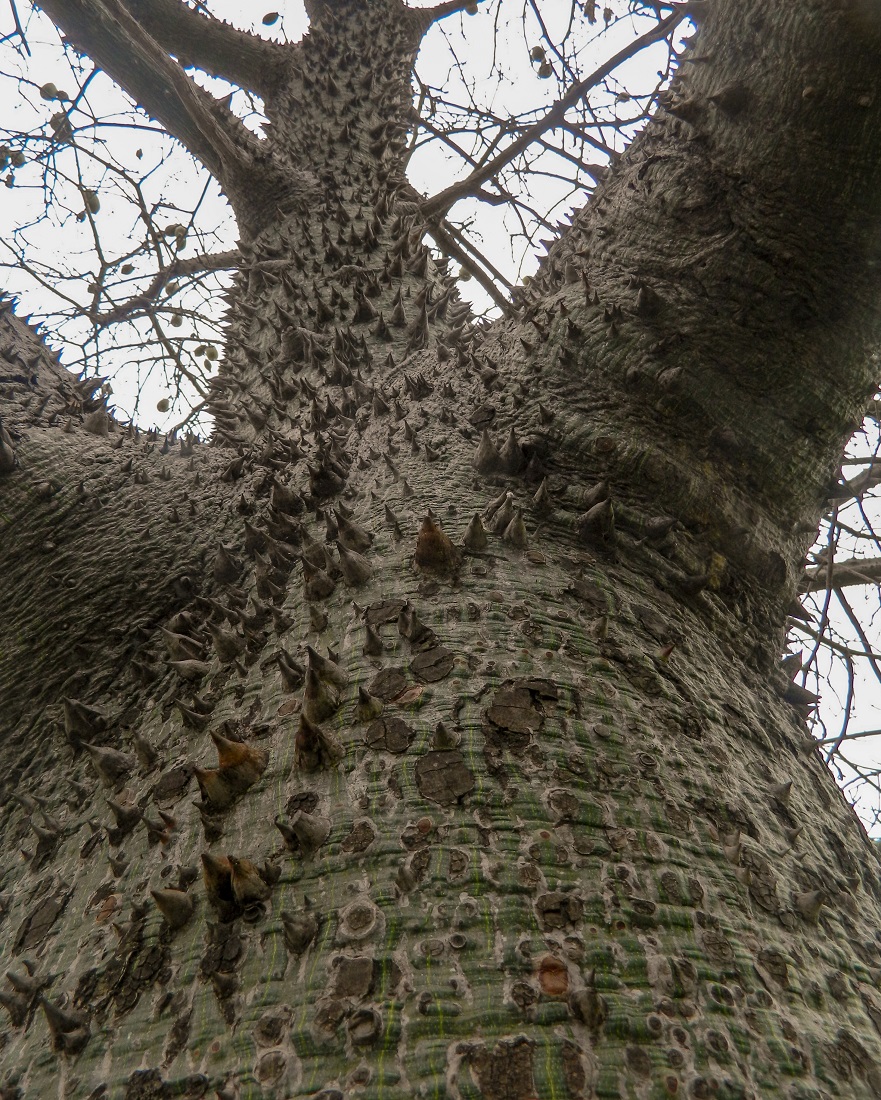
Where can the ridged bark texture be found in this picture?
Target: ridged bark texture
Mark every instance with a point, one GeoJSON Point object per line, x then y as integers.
{"type": "Point", "coordinates": [423, 735]}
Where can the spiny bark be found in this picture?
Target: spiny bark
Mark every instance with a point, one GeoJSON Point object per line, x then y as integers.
{"type": "Point", "coordinates": [459, 764]}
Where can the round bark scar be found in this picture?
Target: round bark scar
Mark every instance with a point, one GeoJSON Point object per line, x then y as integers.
{"type": "Point", "coordinates": [553, 977]}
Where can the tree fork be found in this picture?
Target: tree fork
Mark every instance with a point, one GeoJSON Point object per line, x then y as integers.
{"type": "Point", "coordinates": [413, 786]}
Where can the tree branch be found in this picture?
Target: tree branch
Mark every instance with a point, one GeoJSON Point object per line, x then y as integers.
{"type": "Point", "coordinates": [849, 737]}
{"type": "Point", "coordinates": [217, 261]}
{"type": "Point", "coordinates": [200, 39]}
{"type": "Point", "coordinates": [452, 241]}
{"type": "Point", "coordinates": [442, 202]}
{"type": "Point", "coordinates": [116, 41]}
{"type": "Point", "coordinates": [19, 30]}
{"type": "Point", "coordinates": [430, 16]}
{"type": "Point", "coordinates": [445, 237]}
{"type": "Point", "coordinates": [844, 574]}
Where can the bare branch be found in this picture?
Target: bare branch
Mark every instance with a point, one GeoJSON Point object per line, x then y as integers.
{"type": "Point", "coordinates": [551, 119]}
{"type": "Point", "coordinates": [198, 38]}
{"type": "Point", "coordinates": [113, 38]}
{"type": "Point", "coordinates": [849, 737]}
{"type": "Point", "coordinates": [19, 30]}
{"type": "Point", "coordinates": [449, 240]}
{"type": "Point", "coordinates": [843, 574]}
{"type": "Point", "coordinates": [860, 633]}
{"type": "Point", "coordinates": [837, 647]}
{"type": "Point", "coordinates": [441, 11]}
{"type": "Point", "coordinates": [217, 261]}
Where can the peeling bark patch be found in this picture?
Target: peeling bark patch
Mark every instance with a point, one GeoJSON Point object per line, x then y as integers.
{"type": "Point", "coordinates": [432, 665]}
{"type": "Point", "coordinates": [762, 883]}
{"type": "Point", "coordinates": [835, 982]}
{"type": "Point", "coordinates": [410, 696]}
{"type": "Point", "coordinates": [558, 910]}
{"type": "Point", "coordinates": [222, 954]}
{"type": "Point", "coordinates": [442, 776]}
{"type": "Point", "coordinates": [638, 1060]}
{"type": "Point", "coordinates": [775, 964]}
{"type": "Point", "coordinates": [419, 862]}
{"type": "Point", "coordinates": [573, 1070]}
{"type": "Point", "coordinates": [146, 964]}
{"type": "Point", "coordinates": [458, 862]}
{"type": "Point", "coordinates": [598, 601]}
{"type": "Point", "coordinates": [305, 801]}
{"type": "Point", "coordinates": [329, 1014]}
{"type": "Point", "coordinates": [848, 1057]}
{"type": "Point", "coordinates": [90, 845]}
{"type": "Point", "coordinates": [506, 1072]}
{"type": "Point", "coordinates": [390, 734]}
{"type": "Point", "coordinates": [544, 689]}
{"type": "Point", "coordinates": [178, 1037]}
{"type": "Point", "coordinates": [385, 612]}
{"type": "Point", "coordinates": [717, 946]}
{"type": "Point", "coordinates": [513, 716]}
{"type": "Point", "coordinates": [271, 1067]}
{"type": "Point", "coordinates": [353, 977]}
{"type": "Point", "coordinates": [146, 1084]}
{"type": "Point", "coordinates": [364, 1027]}
{"type": "Point", "coordinates": [172, 785]}
{"type": "Point", "coordinates": [359, 838]}
{"type": "Point", "coordinates": [387, 684]}
{"type": "Point", "coordinates": [36, 925]}
{"type": "Point", "coordinates": [272, 1026]}
{"type": "Point", "coordinates": [512, 710]}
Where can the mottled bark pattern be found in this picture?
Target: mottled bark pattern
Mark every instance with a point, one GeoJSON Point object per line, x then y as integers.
{"type": "Point", "coordinates": [422, 736]}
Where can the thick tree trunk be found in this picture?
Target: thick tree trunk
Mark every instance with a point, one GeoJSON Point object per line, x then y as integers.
{"type": "Point", "coordinates": [423, 736]}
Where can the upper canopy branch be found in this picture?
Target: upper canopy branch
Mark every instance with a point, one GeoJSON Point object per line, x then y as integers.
{"type": "Point", "coordinates": [843, 574]}
{"type": "Point", "coordinates": [218, 48]}
{"type": "Point", "coordinates": [442, 202]}
{"type": "Point", "coordinates": [429, 16]}
{"type": "Point", "coordinates": [108, 32]}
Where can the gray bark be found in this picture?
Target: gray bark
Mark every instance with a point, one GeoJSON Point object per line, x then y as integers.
{"type": "Point", "coordinates": [422, 735]}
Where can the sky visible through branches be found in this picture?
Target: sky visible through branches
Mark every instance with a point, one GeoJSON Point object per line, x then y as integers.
{"type": "Point", "coordinates": [114, 238]}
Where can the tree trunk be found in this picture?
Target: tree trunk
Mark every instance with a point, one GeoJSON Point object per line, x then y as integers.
{"type": "Point", "coordinates": [423, 734]}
